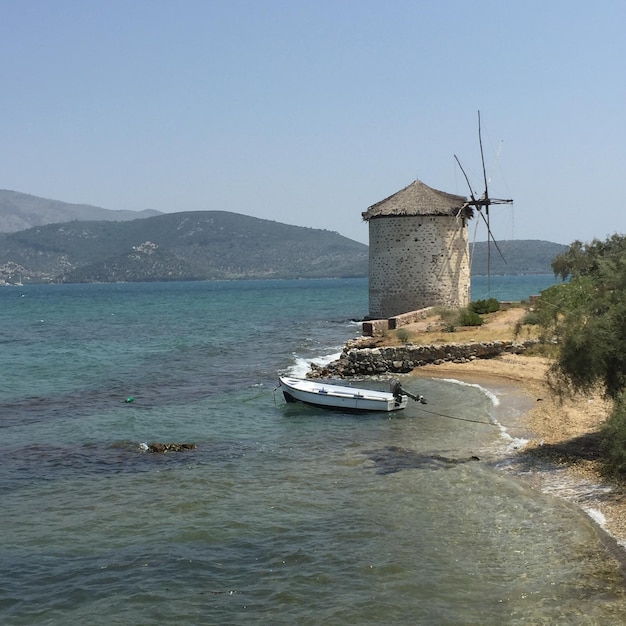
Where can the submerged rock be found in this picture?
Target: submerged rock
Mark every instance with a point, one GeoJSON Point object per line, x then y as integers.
{"type": "Point", "coordinates": [161, 448]}
{"type": "Point", "coordinates": [392, 459]}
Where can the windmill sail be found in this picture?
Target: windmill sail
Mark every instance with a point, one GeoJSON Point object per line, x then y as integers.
{"type": "Point", "coordinates": [484, 202]}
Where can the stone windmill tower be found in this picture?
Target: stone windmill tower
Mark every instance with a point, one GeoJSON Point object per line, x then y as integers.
{"type": "Point", "coordinates": [418, 251]}
{"type": "Point", "coordinates": [419, 246]}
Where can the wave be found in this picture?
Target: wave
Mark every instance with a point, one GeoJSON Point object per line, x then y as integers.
{"type": "Point", "coordinates": [511, 443]}
{"type": "Point", "coordinates": [492, 396]}
{"type": "Point", "coordinates": [302, 365]}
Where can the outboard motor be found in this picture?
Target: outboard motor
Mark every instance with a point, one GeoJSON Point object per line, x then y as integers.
{"type": "Point", "coordinates": [398, 392]}
{"type": "Point", "coordinates": [396, 389]}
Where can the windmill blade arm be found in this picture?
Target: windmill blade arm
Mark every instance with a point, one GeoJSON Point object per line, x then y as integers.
{"type": "Point", "coordinates": [482, 157]}
{"type": "Point", "coordinates": [490, 235]}
{"type": "Point", "coordinates": [466, 180]}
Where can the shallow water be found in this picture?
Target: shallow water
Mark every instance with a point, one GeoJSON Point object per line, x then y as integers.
{"type": "Point", "coordinates": [283, 513]}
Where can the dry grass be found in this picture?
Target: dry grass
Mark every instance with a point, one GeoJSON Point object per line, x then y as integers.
{"type": "Point", "coordinates": [498, 326]}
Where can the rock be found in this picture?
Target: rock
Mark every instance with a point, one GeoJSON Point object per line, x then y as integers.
{"type": "Point", "coordinates": [161, 448]}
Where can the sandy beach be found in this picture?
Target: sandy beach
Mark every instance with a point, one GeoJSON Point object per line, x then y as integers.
{"type": "Point", "coordinates": [564, 439]}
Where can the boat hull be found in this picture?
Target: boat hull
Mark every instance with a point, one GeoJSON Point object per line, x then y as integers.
{"type": "Point", "coordinates": [330, 396]}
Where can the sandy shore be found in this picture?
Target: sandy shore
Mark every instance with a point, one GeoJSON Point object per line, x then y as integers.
{"type": "Point", "coordinates": [565, 436]}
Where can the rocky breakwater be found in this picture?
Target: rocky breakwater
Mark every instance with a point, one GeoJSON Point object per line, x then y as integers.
{"type": "Point", "coordinates": [359, 359]}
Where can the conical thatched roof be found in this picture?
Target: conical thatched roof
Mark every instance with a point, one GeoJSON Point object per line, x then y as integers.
{"type": "Point", "coordinates": [419, 199]}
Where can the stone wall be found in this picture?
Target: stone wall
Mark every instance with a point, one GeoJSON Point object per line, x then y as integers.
{"type": "Point", "coordinates": [377, 328]}
{"type": "Point", "coordinates": [416, 262]}
{"type": "Point", "coordinates": [397, 321]}
{"type": "Point", "coordinates": [356, 361]}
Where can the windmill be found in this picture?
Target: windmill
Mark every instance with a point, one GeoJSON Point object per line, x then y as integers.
{"type": "Point", "coordinates": [484, 202]}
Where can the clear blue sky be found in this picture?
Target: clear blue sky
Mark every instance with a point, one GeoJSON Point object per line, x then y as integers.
{"type": "Point", "coordinates": [309, 111]}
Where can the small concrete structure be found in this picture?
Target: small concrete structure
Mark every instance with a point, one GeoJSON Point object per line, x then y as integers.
{"type": "Point", "coordinates": [377, 328]}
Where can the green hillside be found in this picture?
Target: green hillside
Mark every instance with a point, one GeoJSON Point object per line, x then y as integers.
{"type": "Point", "coordinates": [204, 245]}
{"type": "Point", "coordinates": [210, 245]}
{"type": "Point", "coordinates": [519, 256]}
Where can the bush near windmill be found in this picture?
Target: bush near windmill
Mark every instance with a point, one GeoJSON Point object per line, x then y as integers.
{"type": "Point", "coordinates": [490, 305]}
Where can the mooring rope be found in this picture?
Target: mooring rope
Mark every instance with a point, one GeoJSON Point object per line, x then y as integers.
{"type": "Point", "coordinates": [461, 419]}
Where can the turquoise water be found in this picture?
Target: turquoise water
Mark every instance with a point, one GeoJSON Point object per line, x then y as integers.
{"type": "Point", "coordinates": [283, 514]}
{"type": "Point", "coordinates": [510, 288]}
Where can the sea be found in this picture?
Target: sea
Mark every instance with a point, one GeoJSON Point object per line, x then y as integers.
{"type": "Point", "coordinates": [282, 513]}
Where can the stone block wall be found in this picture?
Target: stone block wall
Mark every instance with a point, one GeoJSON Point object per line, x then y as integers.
{"type": "Point", "coordinates": [416, 262]}
{"type": "Point", "coordinates": [402, 359]}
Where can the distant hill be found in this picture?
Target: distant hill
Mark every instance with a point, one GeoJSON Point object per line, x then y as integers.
{"type": "Point", "coordinates": [20, 211]}
{"type": "Point", "coordinates": [520, 257]}
{"type": "Point", "coordinates": [203, 245]}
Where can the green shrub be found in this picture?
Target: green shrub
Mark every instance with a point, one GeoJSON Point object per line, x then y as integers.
{"type": "Point", "coordinates": [403, 335]}
{"type": "Point", "coordinates": [531, 318]}
{"type": "Point", "coordinates": [448, 316]}
{"type": "Point", "coordinates": [485, 306]}
{"type": "Point", "coordinates": [468, 317]}
{"type": "Point", "coordinates": [614, 440]}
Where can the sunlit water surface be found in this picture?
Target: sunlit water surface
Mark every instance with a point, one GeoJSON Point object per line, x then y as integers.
{"type": "Point", "coordinates": [283, 513]}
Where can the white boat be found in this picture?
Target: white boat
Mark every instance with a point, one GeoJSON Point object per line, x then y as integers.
{"type": "Point", "coordinates": [333, 396]}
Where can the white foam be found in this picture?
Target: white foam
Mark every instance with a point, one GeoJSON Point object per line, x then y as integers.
{"type": "Point", "coordinates": [302, 366]}
{"type": "Point", "coordinates": [515, 443]}
{"type": "Point", "coordinates": [512, 444]}
{"type": "Point", "coordinates": [596, 516]}
{"type": "Point", "coordinates": [492, 396]}
{"type": "Point", "coordinates": [579, 492]}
